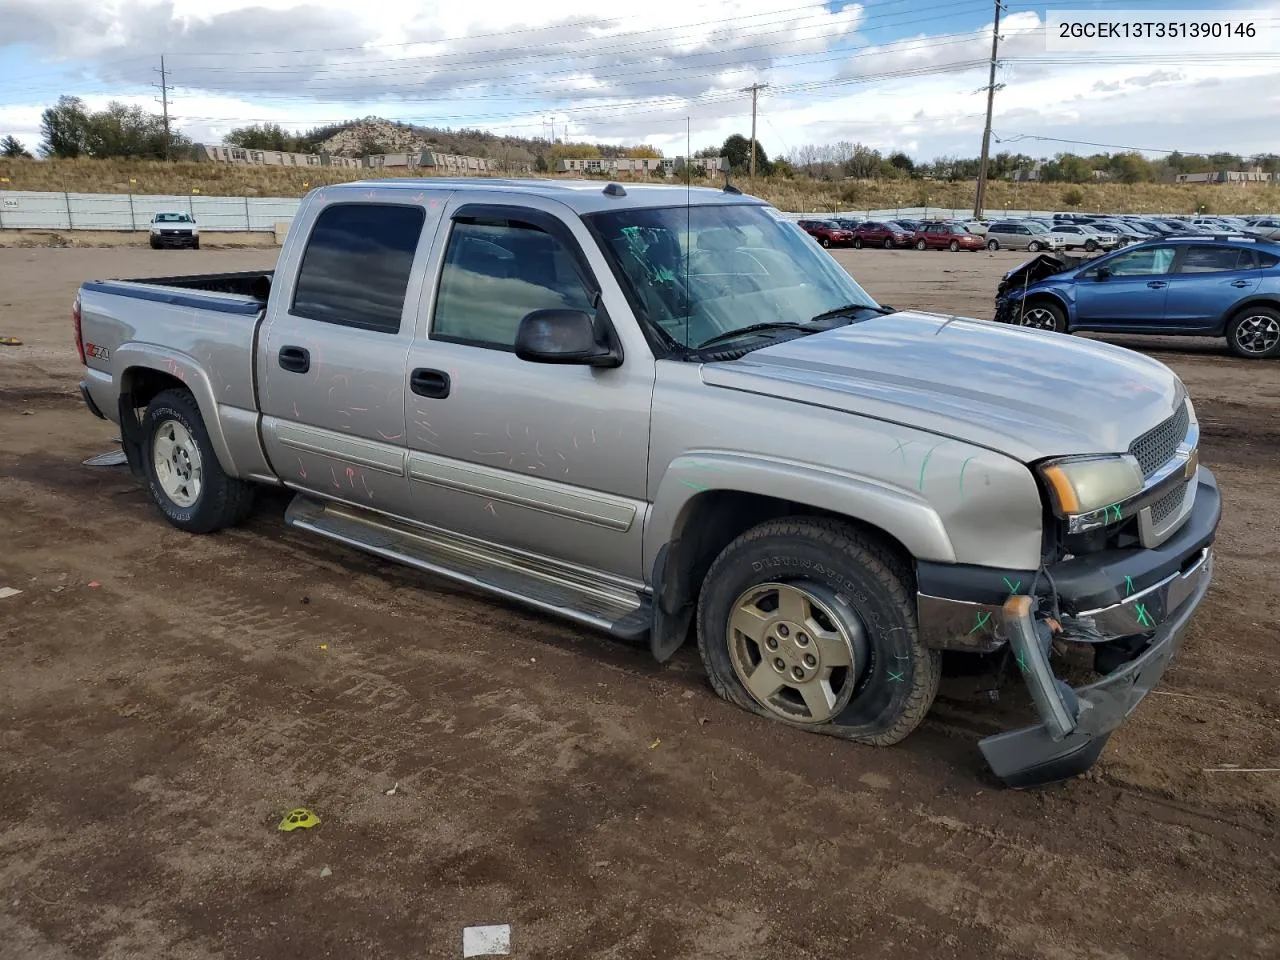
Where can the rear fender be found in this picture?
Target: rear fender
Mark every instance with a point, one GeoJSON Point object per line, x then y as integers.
{"type": "Point", "coordinates": [186, 369]}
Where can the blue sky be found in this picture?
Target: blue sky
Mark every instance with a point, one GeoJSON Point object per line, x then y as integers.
{"type": "Point", "coordinates": [895, 74]}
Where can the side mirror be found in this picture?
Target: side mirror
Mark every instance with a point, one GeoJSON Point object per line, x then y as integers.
{"type": "Point", "coordinates": [1102, 274]}
{"type": "Point", "coordinates": [564, 336]}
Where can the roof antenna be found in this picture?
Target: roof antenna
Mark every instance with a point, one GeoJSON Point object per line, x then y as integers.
{"type": "Point", "coordinates": [729, 187]}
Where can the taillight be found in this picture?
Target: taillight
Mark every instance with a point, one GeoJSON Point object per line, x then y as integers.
{"type": "Point", "coordinates": [75, 319]}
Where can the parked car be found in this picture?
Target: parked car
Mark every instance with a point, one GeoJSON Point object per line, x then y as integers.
{"type": "Point", "coordinates": [911, 226]}
{"type": "Point", "coordinates": [1126, 232]}
{"type": "Point", "coordinates": [976, 227]}
{"type": "Point", "coordinates": [176, 229]}
{"type": "Point", "coordinates": [827, 233]}
{"type": "Point", "coordinates": [1184, 285]}
{"type": "Point", "coordinates": [881, 233]}
{"type": "Point", "coordinates": [537, 389]}
{"type": "Point", "coordinates": [1083, 235]}
{"type": "Point", "coordinates": [1267, 228]}
{"type": "Point", "coordinates": [1023, 235]}
{"type": "Point", "coordinates": [947, 236]}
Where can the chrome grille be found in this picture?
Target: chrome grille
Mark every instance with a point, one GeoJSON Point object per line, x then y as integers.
{"type": "Point", "coordinates": [1157, 446]}
{"type": "Point", "coordinates": [1166, 505]}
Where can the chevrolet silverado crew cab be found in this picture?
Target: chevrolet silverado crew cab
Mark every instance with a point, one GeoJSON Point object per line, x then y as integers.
{"type": "Point", "coordinates": [669, 414]}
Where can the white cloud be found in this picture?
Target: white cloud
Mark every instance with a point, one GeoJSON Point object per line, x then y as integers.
{"type": "Point", "coordinates": [609, 73]}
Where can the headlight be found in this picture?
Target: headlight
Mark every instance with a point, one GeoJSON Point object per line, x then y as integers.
{"type": "Point", "coordinates": [1089, 491]}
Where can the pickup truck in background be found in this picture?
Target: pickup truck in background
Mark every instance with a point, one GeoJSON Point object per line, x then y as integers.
{"type": "Point", "coordinates": [174, 230]}
{"type": "Point", "coordinates": [669, 414]}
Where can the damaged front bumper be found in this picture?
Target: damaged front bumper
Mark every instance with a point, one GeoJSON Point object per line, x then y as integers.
{"type": "Point", "coordinates": [1132, 606]}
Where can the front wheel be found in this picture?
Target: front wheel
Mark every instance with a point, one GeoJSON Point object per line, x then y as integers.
{"type": "Point", "coordinates": [857, 243]}
{"type": "Point", "coordinates": [1090, 245]}
{"type": "Point", "coordinates": [954, 246]}
{"type": "Point", "coordinates": [920, 244]}
{"type": "Point", "coordinates": [826, 242]}
{"type": "Point", "coordinates": [811, 623]}
{"type": "Point", "coordinates": [1043, 315]}
{"type": "Point", "coordinates": [195, 244]}
{"type": "Point", "coordinates": [993, 244]}
{"type": "Point", "coordinates": [1034, 246]}
{"type": "Point", "coordinates": [183, 474]}
{"type": "Point", "coordinates": [1255, 333]}
{"type": "Point", "coordinates": [888, 243]}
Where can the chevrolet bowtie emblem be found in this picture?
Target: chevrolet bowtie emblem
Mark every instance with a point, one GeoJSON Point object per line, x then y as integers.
{"type": "Point", "coordinates": [1193, 464]}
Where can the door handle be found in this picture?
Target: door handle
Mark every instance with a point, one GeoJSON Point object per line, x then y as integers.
{"type": "Point", "coordinates": [1239, 283]}
{"type": "Point", "coordinates": [294, 359]}
{"type": "Point", "coordinates": [1157, 284]}
{"type": "Point", "coordinates": [429, 383]}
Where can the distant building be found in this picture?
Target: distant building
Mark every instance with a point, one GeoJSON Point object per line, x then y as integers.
{"type": "Point", "coordinates": [638, 165]}
{"type": "Point", "coordinates": [1240, 178]}
{"type": "Point", "coordinates": [273, 158]}
{"type": "Point", "coordinates": [427, 159]}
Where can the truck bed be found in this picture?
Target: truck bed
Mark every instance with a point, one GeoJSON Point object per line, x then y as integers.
{"type": "Point", "coordinates": [250, 288]}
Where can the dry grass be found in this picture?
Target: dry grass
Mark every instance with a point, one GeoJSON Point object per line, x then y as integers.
{"type": "Point", "coordinates": [807, 196]}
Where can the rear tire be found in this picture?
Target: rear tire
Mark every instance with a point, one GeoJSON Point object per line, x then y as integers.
{"type": "Point", "coordinates": [1254, 333]}
{"type": "Point", "coordinates": [857, 243]}
{"type": "Point", "coordinates": [835, 609]}
{"type": "Point", "coordinates": [920, 244]}
{"type": "Point", "coordinates": [183, 474]}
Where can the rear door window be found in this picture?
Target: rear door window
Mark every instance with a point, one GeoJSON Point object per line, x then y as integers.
{"type": "Point", "coordinates": [1209, 259]}
{"type": "Point", "coordinates": [355, 269]}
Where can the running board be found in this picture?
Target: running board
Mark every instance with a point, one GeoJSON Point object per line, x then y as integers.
{"type": "Point", "coordinates": [610, 605]}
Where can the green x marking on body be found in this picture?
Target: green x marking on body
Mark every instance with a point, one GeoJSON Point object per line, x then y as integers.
{"type": "Point", "coordinates": [1022, 662]}
{"type": "Point", "coordinates": [895, 677]}
{"type": "Point", "coordinates": [1114, 512]}
{"type": "Point", "coordinates": [982, 622]}
{"type": "Point", "coordinates": [1128, 586]}
{"type": "Point", "coordinates": [1144, 618]}
{"type": "Point", "coordinates": [1013, 587]}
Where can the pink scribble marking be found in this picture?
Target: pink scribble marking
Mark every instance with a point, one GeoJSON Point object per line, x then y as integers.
{"type": "Point", "coordinates": [351, 477]}
{"type": "Point", "coordinates": [491, 509]}
{"type": "Point", "coordinates": [296, 414]}
{"type": "Point", "coordinates": [302, 470]}
{"type": "Point", "coordinates": [333, 474]}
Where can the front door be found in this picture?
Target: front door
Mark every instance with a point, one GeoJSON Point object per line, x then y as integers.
{"type": "Point", "coordinates": [332, 356]}
{"type": "Point", "coordinates": [1130, 295]}
{"type": "Point", "coordinates": [547, 458]}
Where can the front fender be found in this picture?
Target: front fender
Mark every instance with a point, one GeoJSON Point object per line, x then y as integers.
{"type": "Point", "coordinates": [185, 368]}
{"type": "Point", "coordinates": [901, 513]}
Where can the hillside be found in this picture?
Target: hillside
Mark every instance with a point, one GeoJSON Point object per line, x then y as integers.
{"type": "Point", "coordinates": [797, 196]}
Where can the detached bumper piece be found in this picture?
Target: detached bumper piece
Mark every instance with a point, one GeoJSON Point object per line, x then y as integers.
{"type": "Point", "coordinates": [1076, 723]}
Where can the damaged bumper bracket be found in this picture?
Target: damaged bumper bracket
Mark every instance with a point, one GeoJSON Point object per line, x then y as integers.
{"type": "Point", "coordinates": [1076, 724]}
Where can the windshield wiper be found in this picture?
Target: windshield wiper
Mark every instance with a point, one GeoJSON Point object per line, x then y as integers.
{"type": "Point", "coordinates": [757, 328]}
{"type": "Point", "coordinates": [851, 310]}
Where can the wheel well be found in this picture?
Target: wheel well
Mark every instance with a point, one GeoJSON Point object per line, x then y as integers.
{"type": "Point", "coordinates": [138, 387]}
{"type": "Point", "coordinates": [715, 518]}
{"type": "Point", "coordinates": [1250, 305]}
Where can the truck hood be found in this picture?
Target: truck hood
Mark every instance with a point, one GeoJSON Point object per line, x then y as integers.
{"type": "Point", "coordinates": [1025, 393]}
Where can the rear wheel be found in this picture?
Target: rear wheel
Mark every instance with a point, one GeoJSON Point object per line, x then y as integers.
{"type": "Point", "coordinates": [1043, 315]}
{"type": "Point", "coordinates": [993, 244]}
{"type": "Point", "coordinates": [857, 243]}
{"type": "Point", "coordinates": [920, 244]}
{"type": "Point", "coordinates": [809, 622]}
{"type": "Point", "coordinates": [1254, 332]}
{"type": "Point", "coordinates": [183, 474]}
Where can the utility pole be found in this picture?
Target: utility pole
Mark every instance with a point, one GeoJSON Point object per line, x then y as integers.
{"type": "Point", "coordinates": [164, 100]}
{"type": "Point", "coordinates": [754, 89]}
{"type": "Point", "coordinates": [980, 200]}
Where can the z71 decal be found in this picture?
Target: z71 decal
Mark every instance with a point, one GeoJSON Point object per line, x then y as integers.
{"type": "Point", "coordinates": [93, 350]}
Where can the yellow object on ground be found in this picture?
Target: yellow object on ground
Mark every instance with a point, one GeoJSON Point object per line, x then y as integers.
{"type": "Point", "coordinates": [10, 341]}
{"type": "Point", "coordinates": [301, 817]}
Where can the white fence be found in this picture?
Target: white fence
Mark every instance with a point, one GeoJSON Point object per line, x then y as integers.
{"type": "Point", "coordinates": [21, 209]}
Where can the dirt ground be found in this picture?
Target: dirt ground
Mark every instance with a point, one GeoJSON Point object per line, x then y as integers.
{"type": "Point", "coordinates": [165, 699]}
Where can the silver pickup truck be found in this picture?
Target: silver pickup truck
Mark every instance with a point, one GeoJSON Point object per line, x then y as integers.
{"type": "Point", "coordinates": [667, 413]}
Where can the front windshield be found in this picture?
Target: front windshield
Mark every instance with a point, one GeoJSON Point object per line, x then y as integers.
{"type": "Point", "coordinates": [699, 272]}
{"type": "Point", "coordinates": [172, 218]}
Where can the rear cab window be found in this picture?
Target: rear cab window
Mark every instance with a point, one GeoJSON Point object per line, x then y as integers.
{"type": "Point", "coordinates": [356, 265]}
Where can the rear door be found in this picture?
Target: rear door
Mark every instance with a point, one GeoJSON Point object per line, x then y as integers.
{"type": "Point", "coordinates": [332, 356]}
{"type": "Point", "coordinates": [1131, 296]}
{"type": "Point", "coordinates": [551, 459]}
{"type": "Point", "coordinates": [1208, 281]}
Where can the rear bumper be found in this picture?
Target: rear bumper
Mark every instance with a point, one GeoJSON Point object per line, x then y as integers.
{"type": "Point", "coordinates": [1131, 606]}
{"type": "Point", "coordinates": [87, 397]}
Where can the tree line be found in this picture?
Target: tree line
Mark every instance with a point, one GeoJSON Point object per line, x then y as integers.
{"type": "Point", "coordinates": [69, 129]}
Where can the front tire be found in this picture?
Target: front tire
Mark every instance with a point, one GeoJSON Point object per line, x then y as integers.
{"type": "Point", "coordinates": [993, 245]}
{"type": "Point", "coordinates": [1043, 315]}
{"type": "Point", "coordinates": [857, 243]}
{"type": "Point", "coordinates": [183, 474]}
{"type": "Point", "coordinates": [811, 623]}
{"type": "Point", "coordinates": [888, 243]}
{"type": "Point", "coordinates": [195, 244]}
{"type": "Point", "coordinates": [954, 246]}
{"type": "Point", "coordinates": [826, 242]}
{"type": "Point", "coordinates": [1034, 246]}
{"type": "Point", "coordinates": [1254, 333]}
{"type": "Point", "coordinates": [1090, 246]}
